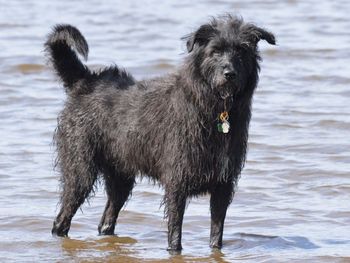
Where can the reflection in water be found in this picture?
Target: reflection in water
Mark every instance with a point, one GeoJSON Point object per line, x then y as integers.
{"type": "Point", "coordinates": [118, 249]}
{"type": "Point", "coordinates": [291, 204]}
{"type": "Point", "coordinates": [29, 68]}
{"type": "Point", "coordinates": [107, 246]}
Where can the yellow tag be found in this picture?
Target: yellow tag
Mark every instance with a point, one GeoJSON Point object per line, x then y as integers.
{"type": "Point", "coordinates": [224, 116]}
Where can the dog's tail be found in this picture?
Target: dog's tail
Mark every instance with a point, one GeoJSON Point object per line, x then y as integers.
{"type": "Point", "coordinates": [62, 47]}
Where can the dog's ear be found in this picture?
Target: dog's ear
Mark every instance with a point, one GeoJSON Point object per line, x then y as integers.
{"type": "Point", "coordinates": [266, 35]}
{"type": "Point", "coordinates": [254, 34]}
{"type": "Point", "coordinates": [200, 37]}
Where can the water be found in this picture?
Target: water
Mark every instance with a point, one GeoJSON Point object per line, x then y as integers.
{"type": "Point", "coordinates": [293, 200]}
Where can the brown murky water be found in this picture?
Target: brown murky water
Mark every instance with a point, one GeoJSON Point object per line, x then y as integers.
{"type": "Point", "coordinates": [293, 200]}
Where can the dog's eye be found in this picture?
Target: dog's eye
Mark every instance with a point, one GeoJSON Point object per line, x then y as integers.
{"type": "Point", "coordinates": [240, 49]}
{"type": "Point", "coordinates": [215, 52]}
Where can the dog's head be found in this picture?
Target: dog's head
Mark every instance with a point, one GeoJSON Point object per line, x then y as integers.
{"type": "Point", "coordinates": [225, 54]}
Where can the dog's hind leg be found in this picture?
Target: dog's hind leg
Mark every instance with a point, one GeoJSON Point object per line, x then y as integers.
{"type": "Point", "coordinates": [219, 201]}
{"type": "Point", "coordinates": [78, 181]}
{"type": "Point", "coordinates": [118, 188]}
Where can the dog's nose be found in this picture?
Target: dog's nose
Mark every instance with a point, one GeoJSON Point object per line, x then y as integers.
{"type": "Point", "coordinates": [230, 74]}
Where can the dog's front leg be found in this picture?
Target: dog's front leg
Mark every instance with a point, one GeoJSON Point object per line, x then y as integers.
{"type": "Point", "coordinates": [175, 208]}
{"type": "Point", "coordinates": [219, 201]}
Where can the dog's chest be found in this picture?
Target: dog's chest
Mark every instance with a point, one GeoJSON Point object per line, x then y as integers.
{"type": "Point", "coordinates": [214, 159]}
{"type": "Point", "coordinates": [221, 159]}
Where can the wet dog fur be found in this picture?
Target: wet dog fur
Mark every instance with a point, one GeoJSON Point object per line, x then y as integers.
{"type": "Point", "coordinates": [115, 127]}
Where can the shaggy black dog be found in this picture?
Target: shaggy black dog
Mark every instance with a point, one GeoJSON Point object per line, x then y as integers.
{"type": "Point", "coordinates": [187, 130]}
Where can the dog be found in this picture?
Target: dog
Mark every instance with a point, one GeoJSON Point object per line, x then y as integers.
{"type": "Point", "coordinates": [187, 130]}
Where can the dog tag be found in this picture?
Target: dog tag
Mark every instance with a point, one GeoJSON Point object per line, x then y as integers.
{"type": "Point", "coordinates": [220, 127]}
{"type": "Point", "coordinates": [225, 127]}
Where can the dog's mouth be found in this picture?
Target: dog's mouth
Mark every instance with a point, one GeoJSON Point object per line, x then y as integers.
{"type": "Point", "coordinates": [225, 93]}
{"type": "Point", "coordinates": [227, 89]}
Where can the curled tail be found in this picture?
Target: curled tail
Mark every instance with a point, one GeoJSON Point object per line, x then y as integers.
{"type": "Point", "coordinates": [62, 47]}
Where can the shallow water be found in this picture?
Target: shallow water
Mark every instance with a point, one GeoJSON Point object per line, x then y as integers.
{"type": "Point", "coordinates": [293, 200]}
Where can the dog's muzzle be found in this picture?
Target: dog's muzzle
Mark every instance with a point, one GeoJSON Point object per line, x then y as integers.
{"type": "Point", "coordinates": [226, 90]}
